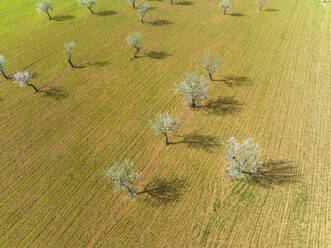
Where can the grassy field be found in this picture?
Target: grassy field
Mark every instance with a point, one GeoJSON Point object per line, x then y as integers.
{"type": "Point", "coordinates": [274, 86]}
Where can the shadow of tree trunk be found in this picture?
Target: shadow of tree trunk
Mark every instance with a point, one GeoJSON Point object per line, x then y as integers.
{"type": "Point", "coordinates": [277, 172]}
{"type": "Point", "coordinates": [222, 106]}
{"type": "Point", "coordinates": [163, 191]}
{"type": "Point", "coordinates": [199, 141]}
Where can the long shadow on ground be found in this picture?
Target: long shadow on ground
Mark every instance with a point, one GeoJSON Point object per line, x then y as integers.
{"type": "Point", "coordinates": [160, 23]}
{"type": "Point", "coordinates": [199, 141]}
{"type": "Point", "coordinates": [233, 80]}
{"type": "Point", "coordinates": [56, 93]}
{"type": "Point", "coordinates": [271, 10]}
{"type": "Point", "coordinates": [184, 3]}
{"type": "Point", "coordinates": [157, 55]}
{"type": "Point", "coordinates": [63, 18]}
{"type": "Point", "coordinates": [163, 191]}
{"type": "Point", "coordinates": [277, 172]}
{"type": "Point", "coordinates": [222, 106]}
{"type": "Point", "coordinates": [99, 63]}
{"type": "Point", "coordinates": [237, 14]}
{"type": "Point", "coordinates": [106, 13]}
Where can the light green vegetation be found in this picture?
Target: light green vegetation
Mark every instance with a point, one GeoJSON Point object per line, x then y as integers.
{"type": "Point", "coordinates": [274, 87]}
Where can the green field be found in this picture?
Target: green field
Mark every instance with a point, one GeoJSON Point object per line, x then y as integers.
{"type": "Point", "coordinates": [274, 86]}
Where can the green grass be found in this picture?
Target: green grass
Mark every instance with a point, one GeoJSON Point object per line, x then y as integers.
{"type": "Point", "coordinates": [53, 148]}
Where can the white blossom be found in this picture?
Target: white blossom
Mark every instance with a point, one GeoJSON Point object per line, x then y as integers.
{"type": "Point", "coordinates": [193, 87]}
{"type": "Point", "coordinates": [165, 124]}
{"type": "Point", "coordinates": [122, 176]}
{"type": "Point", "coordinates": [22, 78]}
{"type": "Point", "coordinates": [243, 158]}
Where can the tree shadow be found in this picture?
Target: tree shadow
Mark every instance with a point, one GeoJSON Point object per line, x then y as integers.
{"type": "Point", "coordinates": [57, 93]}
{"type": "Point", "coordinates": [163, 191]}
{"type": "Point", "coordinates": [157, 55]}
{"type": "Point", "coordinates": [107, 13]}
{"type": "Point", "coordinates": [35, 75]}
{"type": "Point", "coordinates": [222, 106]}
{"type": "Point", "coordinates": [79, 66]}
{"type": "Point", "coordinates": [235, 80]}
{"type": "Point", "coordinates": [276, 172]}
{"type": "Point", "coordinates": [271, 10]}
{"type": "Point", "coordinates": [63, 18]}
{"type": "Point", "coordinates": [160, 23]}
{"type": "Point", "coordinates": [100, 63]}
{"type": "Point", "coordinates": [199, 141]}
{"type": "Point", "coordinates": [237, 14]}
{"type": "Point", "coordinates": [184, 3]}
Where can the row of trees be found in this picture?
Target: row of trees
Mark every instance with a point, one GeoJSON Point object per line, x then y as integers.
{"type": "Point", "coordinates": [23, 78]}
{"type": "Point", "coordinates": [226, 5]}
{"type": "Point", "coordinates": [46, 6]}
{"type": "Point", "coordinates": [243, 158]}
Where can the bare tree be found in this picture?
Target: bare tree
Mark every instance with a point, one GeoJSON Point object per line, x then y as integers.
{"type": "Point", "coordinates": [87, 4]}
{"type": "Point", "coordinates": [134, 40]}
{"type": "Point", "coordinates": [122, 176]}
{"type": "Point", "coordinates": [210, 63]}
{"type": "Point", "coordinates": [142, 11]}
{"type": "Point", "coordinates": [44, 7]}
{"type": "Point", "coordinates": [193, 88]}
{"type": "Point", "coordinates": [261, 3]}
{"type": "Point", "coordinates": [23, 79]}
{"type": "Point", "coordinates": [226, 5]}
{"type": "Point", "coordinates": [2, 66]}
{"type": "Point", "coordinates": [133, 2]}
{"type": "Point", "coordinates": [165, 124]}
{"type": "Point", "coordinates": [69, 49]}
{"type": "Point", "coordinates": [244, 159]}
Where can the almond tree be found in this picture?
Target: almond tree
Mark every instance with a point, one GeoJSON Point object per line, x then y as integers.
{"type": "Point", "coordinates": [165, 124]}
{"type": "Point", "coordinates": [226, 5]}
{"type": "Point", "coordinates": [243, 159]}
{"type": "Point", "coordinates": [142, 11]}
{"type": "Point", "coordinates": [2, 66]}
{"type": "Point", "coordinates": [44, 7]}
{"type": "Point", "coordinates": [87, 4]}
{"type": "Point", "coordinates": [133, 2]}
{"type": "Point", "coordinates": [193, 88]}
{"type": "Point", "coordinates": [69, 49]}
{"type": "Point", "coordinates": [134, 40]}
{"type": "Point", "coordinates": [122, 176]}
{"type": "Point", "coordinates": [210, 63]}
{"type": "Point", "coordinates": [23, 79]}
{"type": "Point", "coordinates": [261, 3]}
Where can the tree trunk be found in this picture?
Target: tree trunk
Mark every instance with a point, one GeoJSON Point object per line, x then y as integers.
{"type": "Point", "coordinates": [133, 4]}
{"type": "Point", "coordinates": [49, 16]}
{"type": "Point", "coordinates": [137, 50]}
{"type": "Point", "coordinates": [91, 11]}
{"type": "Point", "coordinates": [166, 139]}
{"type": "Point", "coordinates": [171, 1]}
{"type": "Point", "coordinates": [34, 87]}
{"type": "Point", "coordinates": [224, 11]}
{"type": "Point", "coordinates": [260, 8]}
{"type": "Point", "coordinates": [193, 103]}
{"type": "Point", "coordinates": [69, 60]}
{"type": "Point", "coordinates": [142, 20]}
{"type": "Point", "coordinates": [131, 192]}
{"type": "Point", "coordinates": [210, 76]}
{"type": "Point", "coordinates": [4, 75]}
